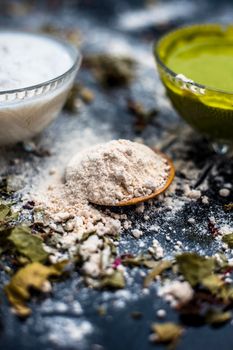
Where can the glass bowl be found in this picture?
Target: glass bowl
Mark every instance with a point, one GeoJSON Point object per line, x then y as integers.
{"type": "Point", "coordinates": [27, 111]}
{"type": "Point", "coordinates": [206, 109]}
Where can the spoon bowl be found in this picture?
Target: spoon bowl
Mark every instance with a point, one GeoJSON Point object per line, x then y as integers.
{"type": "Point", "coordinates": [159, 191]}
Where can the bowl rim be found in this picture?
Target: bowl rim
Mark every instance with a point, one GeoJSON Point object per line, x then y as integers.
{"type": "Point", "coordinates": [71, 49]}
{"type": "Point", "coordinates": [158, 59]}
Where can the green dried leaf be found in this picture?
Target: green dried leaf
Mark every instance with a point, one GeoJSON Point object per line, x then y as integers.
{"type": "Point", "coordinates": [114, 281]}
{"type": "Point", "coordinates": [214, 317]}
{"type": "Point", "coordinates": [167, 332]}
{"type": "Point", "coordinates": [33, 276]}
{"type": "Point", "coordinates": [194, 267]}
{"type": "Point", "coordinates": [6, 216]}
{"type": "Point", "coordinates": [27, 244]}
{"type": "Point", "coordinates": [213, 283]}
{"type": "Point", "coordinates": [157, 270]}
{"type": "Point", "coordinates": [140, 260]}
{"type": "Point", "coordinates": [228, 239]}
{"type": "Point", "coordinates": [225, 293]}
{"type": "Point", "coordinates": [5, 210]}
{"type": "Point", "coordinates": [218, 288]}
{"type": "Point", "coordinates": [228, 207]}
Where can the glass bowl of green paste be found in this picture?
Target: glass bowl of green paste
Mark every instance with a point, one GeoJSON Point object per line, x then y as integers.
{"type": "Point", "coordinates": [195, 64]}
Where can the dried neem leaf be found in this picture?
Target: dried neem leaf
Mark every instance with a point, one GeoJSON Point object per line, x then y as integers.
{"type": "Point", "coordinates": [113, 281]}
{"type": "Point", "coordinates": [140, 260]}
{"type": "Point", "coordinates": [156, 271]}
{"type": "Point", "coordinates": [218, 288]}
{"type": "Point", "coordinates": [111, 71]}
{"type": "Point", "coordinates": [142, 116]}
{"type": "Point", "coordinates": [215, 317]}
{"type": "Point", "coordinates": [222, 263]}
{"type": "Point", "coordinates": [27, 244]}
{"type": "Point", "coordinates": [213, 283]}
{"type": "Point", "coordinates": [228, 239]}
{"type": "Point", "coordinates": [5, 210]}
{"type": "Point", "coordinates": [225, 293]}
{"type": "Point", "coordinates": [77, 94]}
{"type": "Point", "coordinates": [73, 35]}
{"type": "Point", "coordinates": [6, 216]}
{"type": "Point", "coordinates": [228, 207]}
{"type": "Point", "coordinates": [33, 276]}
{"type": "Point", "coordinates": [195, 267]}
{"type": "Point", "coordinates": [166, 332]}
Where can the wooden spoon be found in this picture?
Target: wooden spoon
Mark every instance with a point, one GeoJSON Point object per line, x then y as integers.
{"type": "Point", "coordinates": [168, 182]}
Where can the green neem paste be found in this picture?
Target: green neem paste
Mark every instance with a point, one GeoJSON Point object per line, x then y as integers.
{"type": "Point", "coordinates": [202, 55]}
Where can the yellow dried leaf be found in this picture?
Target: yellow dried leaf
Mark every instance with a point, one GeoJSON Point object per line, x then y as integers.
{"type": "Point", "coordinates": [167, 332]}
{"type": "Point", "coordinates": [32, 276]}
{"type": "Point", "coordinates": [156, 271]}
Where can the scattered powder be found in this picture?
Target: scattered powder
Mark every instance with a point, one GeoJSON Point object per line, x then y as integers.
{"type": "Point", "coordinates": [156, 249]}
{"type": "Point", "coordinates": [205, 200]}
{"type": "Point", "coordinates": [116, 171]}
{"type": "Point", "coordinates": [224, 192]}
{"type": "Point", "coordinates": [161, 313]}
{"type": "Point", "coordinates": [192, 194]}
{"type": "Point", "coordinates": [176, 292]}
{"type": "Point", "coordinates": [64, 331]}
{"type": "Point", "coordinates": [137, 233]}
{"type": "Point", "coordinates": [191, 221]}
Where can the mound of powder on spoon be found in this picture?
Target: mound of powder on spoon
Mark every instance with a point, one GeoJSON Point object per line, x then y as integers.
{"type": "Point", "coordinates": [116, 171]}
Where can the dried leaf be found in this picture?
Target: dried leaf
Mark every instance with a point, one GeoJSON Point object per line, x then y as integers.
{"type": "Point", "coordinates": [217, 317]}
{"type": "Point", "coordinates": [213, 283]}
{"type": "Point", "coordinates": [6, 216]}
{"type": "Point", "coordinates": [28, 244]}
{"type": "Point", "coordinates": [32, 276]}
{"type": "Point", "coordinates": [225, 293]}
{"type": "Point", "coordinates": [77, 94]}
{"type": "Point", "coordinates": [109, 70]}
{"type": "Point", "coordinates": [73, 35]}
{"type": "Point", "coordinates": [157, 270]}
{"type": "Point", "coordinates": [228, 239]}
{"type": "Point", "coordinates": [194, 267]}
{"type": "Point", "coordinates": [140, 260]}
{"type": "Point", "coordinates": [167, 332]}
{"type": "Point", "coordinates": [142, 115]}
{"type": "Point", "coordinates": [114, 281]}
{"type": "Point", "coordinates": [228, 207]}
{"type": "Point", "coordinates": [5, 210]}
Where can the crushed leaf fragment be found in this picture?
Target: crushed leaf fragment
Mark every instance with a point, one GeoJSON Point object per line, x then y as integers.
{"type": "Point", "coordinates": [32, 276]}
